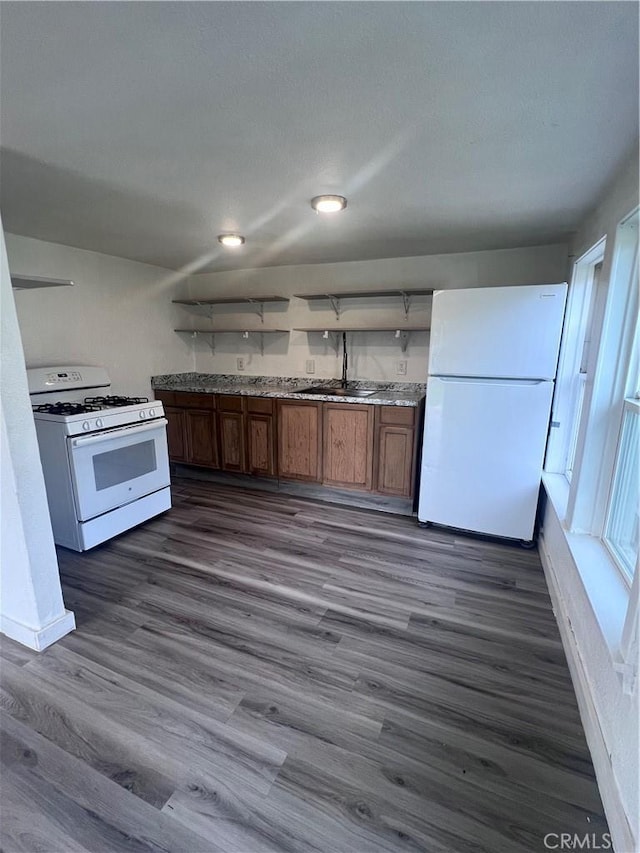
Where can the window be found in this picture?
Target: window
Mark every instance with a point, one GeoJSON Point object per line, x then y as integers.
{"type": "Point", "coordinates": [592, 281]}
{"type": "Point", "coordinates": [621, 532]}
{"type": "Point", "coordinates": [623, 510]}
{"type": "Point", "coordinates": [600, 389]}
{"type": "Point", "coordinates": [579, 345]}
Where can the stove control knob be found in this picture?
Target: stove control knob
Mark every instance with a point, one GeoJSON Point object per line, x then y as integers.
{"type": "Point", "coordinates": [86, 425]}
{"type": "Point", "coordinates": [152, 413]}
{"type": "Point", "coordinates": [99, 423]}
{"type": "Point", "coordinates": [143, 414]}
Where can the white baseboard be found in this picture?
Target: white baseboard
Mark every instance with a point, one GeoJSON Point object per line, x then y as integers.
{"type": "Point", "coordinates": [41, 638]}
{"type": "Point", "coordinates": [621, 832]}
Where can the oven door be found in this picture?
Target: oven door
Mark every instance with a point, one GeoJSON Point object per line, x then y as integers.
{"type": "Point", "coordinates": [115, 467]}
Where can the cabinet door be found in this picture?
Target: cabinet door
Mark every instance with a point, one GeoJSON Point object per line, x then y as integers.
{"type": "Point", "coordinates": [260, 444]}
{"type": "Point", "coordinates": [202, 441]}
{"type": "Point", "coordinates": [395, 450]}
{"type": "Point", "coordinates": [176, 436]}
{"type": "Point", "coordinates": [231, 441]}
{"type": "Point", "coordinates": [299, 440]}
{"type": "Point", "coordinates": [348, 445]}
{"type": "Point", "coordinates": [395, 460]}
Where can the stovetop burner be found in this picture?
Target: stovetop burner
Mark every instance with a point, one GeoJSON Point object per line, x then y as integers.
{"type": "Point", "coordinates": [90, 404]}
{"type": "Point", "coordinates": [113, 402]}
{"type": "Point", "coordinates": [66, 408]}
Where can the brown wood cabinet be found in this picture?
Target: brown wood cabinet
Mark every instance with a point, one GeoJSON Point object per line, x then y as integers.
{"type": "Point", "coordinates": [191, 429]}
{"type": "Point", "coordinates": [343, 445]}
{"type": "Point", "coordinates": [347, 459]}
{"type": "Point", "coordinates": [201, 435]}
{"type": "Point", "coordinates": [232, 441]}
{"type": "Point", "coordinates": [300, 440]}
{"type": "Point", "coordinates": [260, 436]}
{"type": "Point", "coordinates": [194, 400]}
{"type": "Point", "coordinates": [176, 439]}
{"type": "Point", "coordinates": [395, 450]}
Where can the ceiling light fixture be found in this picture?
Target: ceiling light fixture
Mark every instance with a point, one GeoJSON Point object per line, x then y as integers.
{"type": "Point", "coordinates": [328, 203]}
{"type": "Point", "coordinates": [232, 241]}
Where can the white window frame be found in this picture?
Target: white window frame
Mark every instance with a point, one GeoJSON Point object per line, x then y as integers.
{"type": "Point", "coordinates": [583, 504]}
{"type": "Point", "coordinates": [583, 306]}
{"type": "Point", "coordinates": [607, 386]}
{"type": "Point", "coordinates": [617, 492]}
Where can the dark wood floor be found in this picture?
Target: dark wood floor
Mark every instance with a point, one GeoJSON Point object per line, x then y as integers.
{"type": "Point", "coordinates": [256, 672]}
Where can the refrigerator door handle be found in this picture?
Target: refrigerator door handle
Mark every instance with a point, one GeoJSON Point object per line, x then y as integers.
{"type": "Point", "coordinates": [489, 381]}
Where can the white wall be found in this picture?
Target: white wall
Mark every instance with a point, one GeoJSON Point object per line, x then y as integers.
{"type": "Point", "coordinates": [610, 717]}
{"type": "Point", "coordinates": [31, 606]}
{"type": "Point", "coordinates": [118, 314]}
{"type": "Point", "coordinates": [372, 356]}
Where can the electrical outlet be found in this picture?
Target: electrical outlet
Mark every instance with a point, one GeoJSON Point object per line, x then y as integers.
{"type": "Point", "coordinates": [401, 368]}
{"type": "Point", "coordinates": [240, 363]}
{"type": "Point", "coordinates": [310, 366]}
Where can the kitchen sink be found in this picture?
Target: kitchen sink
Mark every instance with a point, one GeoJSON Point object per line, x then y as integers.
{"type": "Point", "coordinates": [338, 392]}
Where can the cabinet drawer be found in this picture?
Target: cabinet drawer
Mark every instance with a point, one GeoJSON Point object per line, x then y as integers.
{"type": "Point", "coordinates": [229, 403]}
{"type": "Point", "coordinates": [167, 398]}
{"type": "Point", "coordinates": [261, 405]}
{"type": "Point", "coordinates": [193, 400]}
{"type": "Point", "coordinates": [397, 415]}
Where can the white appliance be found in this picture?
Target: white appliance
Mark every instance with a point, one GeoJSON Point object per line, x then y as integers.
{"type": "Point", "coordinates": [104, 458]}
{"type": "Point", "coordinates": [492, 364]}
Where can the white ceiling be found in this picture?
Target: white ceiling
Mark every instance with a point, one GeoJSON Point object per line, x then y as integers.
{"type": "Point", "coordinates": [145, 129]}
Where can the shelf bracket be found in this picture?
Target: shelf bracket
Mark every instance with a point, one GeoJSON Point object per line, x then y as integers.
{"type": "Point", "coordinates": [403, 337]}
{"type": "Point", "coordinates": [335, 304]}
{"type": "Point", "coordinates": [259, 308]}
{"type": "Point", "coordinates": [406, 301]}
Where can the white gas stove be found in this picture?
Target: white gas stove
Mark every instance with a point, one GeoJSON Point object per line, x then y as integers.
{"type": "Point", "coordinates": [105, 459]}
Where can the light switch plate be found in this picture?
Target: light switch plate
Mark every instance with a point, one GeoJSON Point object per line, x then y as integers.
{"type": "Point", "coordinates": [401, 368]}
{"type": "Point", "coordinates": [240, 363]}
{"type": "Point", "coordinates": [310, 366]}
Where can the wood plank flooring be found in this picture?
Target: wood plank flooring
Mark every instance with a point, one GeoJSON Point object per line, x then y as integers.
{"type": "Point", "coordinates": [260, 672]}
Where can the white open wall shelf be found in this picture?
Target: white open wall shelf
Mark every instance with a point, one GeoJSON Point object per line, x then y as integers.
{"type": "Point", "coordinates": [255, 302]}
{"type": "Point", "coordinates": [257, 334]}
{"type": "Point", "coordinates": [401, 333]}
{"type": "Point", "coordinates": [31, 282]}
{"type": "Point", "coordinates": [335, 298]}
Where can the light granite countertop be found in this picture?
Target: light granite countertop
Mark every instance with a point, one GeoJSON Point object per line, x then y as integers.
{"type": "Point", "coordinates": [385, 393]}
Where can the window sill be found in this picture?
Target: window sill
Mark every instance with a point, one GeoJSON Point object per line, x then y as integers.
{"type": "Point", "coordinates": [596, 569]}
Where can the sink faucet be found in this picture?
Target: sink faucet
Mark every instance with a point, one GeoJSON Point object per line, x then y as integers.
{"type": "Point", "coordinates": [345, 361]}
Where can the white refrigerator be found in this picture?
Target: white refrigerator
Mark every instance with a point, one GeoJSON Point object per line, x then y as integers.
{"type": "Point", "coordinates": [492, 364]}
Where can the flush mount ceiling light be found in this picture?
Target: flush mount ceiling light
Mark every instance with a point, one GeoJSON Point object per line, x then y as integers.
{"type": "Point", "coordinates": [232, 241]}
{"type": "Point", "coordinates": [328, 203]}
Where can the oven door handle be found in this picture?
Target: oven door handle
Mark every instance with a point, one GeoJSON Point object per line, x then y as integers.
{"type": "Point", "coordinates": [133, 429]}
